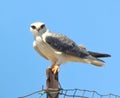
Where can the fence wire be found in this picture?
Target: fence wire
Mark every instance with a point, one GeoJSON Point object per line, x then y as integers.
{"type": "Point", "coordinates": [73, 93]}
{"type": "Point", "coordinates": [78, 93]}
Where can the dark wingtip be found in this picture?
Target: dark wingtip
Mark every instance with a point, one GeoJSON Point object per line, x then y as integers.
{"type": "Point", "coordinates": [99, 55]}
{"type": "Point", "coordinates": [104, 55]}
{"type": "Point", "coordinates": [108, 55]}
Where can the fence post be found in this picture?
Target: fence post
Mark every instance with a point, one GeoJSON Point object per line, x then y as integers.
{"type": "Point", "coordinates": [52, 84]}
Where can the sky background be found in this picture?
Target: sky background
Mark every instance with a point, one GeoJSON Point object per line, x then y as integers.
{"type": "Point", "coordinates": [93, 23]}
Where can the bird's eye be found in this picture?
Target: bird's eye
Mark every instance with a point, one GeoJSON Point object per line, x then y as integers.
{"type": "Point", "coordinates": [42, 26]}
{"type": "Point", "coordinates": [33, 27]}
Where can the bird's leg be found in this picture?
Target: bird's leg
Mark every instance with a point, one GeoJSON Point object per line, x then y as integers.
{"type": "Point", "coordinates": [55, 68]}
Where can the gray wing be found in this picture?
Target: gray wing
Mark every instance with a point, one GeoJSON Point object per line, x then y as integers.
{"type": "Point", "coordinates": [63, 44]}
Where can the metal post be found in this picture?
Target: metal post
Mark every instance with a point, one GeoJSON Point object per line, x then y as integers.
{"type": "Point", "coordinates": [52, 84]}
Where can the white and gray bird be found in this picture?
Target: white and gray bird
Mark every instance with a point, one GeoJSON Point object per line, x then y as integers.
{"type": "Point", "coordinates": [59, 49]}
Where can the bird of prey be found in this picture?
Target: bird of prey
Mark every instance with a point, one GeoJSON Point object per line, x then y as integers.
{"type": "Point", "coordinates": [59, 49]}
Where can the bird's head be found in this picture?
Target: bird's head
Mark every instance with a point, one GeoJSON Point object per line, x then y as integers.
{"type": "Point", "coordinates": [38, 28]}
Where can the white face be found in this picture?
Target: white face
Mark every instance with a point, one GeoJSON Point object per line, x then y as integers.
{"type": "Point", "coordinates": [37, 28]}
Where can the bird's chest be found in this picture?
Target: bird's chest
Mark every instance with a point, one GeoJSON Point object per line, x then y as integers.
{"type": "Point", "coordinates": [45, 48]}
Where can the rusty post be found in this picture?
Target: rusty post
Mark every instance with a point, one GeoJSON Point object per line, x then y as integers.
{"type": "Point", "coordinates": [52, 84]}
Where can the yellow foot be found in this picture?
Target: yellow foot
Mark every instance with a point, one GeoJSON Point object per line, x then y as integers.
{"type": "Point", "coordinates": [55, 69]}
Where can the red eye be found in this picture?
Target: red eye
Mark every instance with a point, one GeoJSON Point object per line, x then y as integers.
{"type": "Point", "coordinates": [42, 26]}
{"type": "Point", "coordinates": [33, 27]}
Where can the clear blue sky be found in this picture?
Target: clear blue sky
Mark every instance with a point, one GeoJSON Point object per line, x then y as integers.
{"type": "Point", "coordinates": [93, 23]}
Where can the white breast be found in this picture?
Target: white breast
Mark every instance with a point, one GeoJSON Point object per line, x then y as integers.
{"type": "Point", "coordinates": [45, 49]}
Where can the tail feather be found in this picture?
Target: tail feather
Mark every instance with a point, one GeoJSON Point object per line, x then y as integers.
{"type": "Point", "coordinates": [98, 55]}
{"type": "Point", "coordinates": [95, 61]}
{"type": "Point", "coordinates": [92, 58]}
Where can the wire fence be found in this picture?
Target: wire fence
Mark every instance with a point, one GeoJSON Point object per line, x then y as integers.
{"type": "Point", "coordinates": [72, 93]}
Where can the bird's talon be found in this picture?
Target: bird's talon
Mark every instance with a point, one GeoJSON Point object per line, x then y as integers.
{"type": "Point", "coordinates": [55, 69]}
